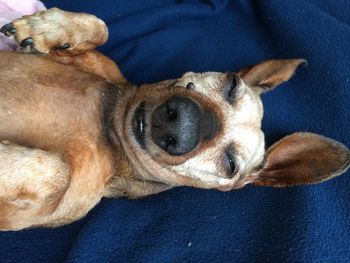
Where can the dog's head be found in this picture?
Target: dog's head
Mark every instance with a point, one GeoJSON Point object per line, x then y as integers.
{"type": "Point", "coordinates": [204, 130]}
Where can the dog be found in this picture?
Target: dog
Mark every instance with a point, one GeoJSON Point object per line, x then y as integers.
{"type": "Point", "coordinates": [74, 130]}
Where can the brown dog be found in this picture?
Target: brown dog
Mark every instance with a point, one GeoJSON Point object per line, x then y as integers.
{"type": "Point", "coordinates": [73, 130]}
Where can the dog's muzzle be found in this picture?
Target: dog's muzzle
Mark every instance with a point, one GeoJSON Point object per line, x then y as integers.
{"type": "Point", "coordinates": [180, 124]}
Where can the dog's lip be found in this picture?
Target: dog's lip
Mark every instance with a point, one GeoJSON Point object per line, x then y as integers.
{"type": "Point", "coordinates": [139, 124]}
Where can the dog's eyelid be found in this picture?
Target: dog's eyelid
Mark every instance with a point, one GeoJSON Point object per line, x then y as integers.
{"type": "Point", "coordinates": [230, 88]}
{"type": "Point", "coordinates": [230, 162]}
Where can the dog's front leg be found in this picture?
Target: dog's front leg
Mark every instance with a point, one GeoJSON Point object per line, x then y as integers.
{"type": "Point", "coordinates": [32, 184]}
{"type": "Point", "coordinates": [67, 37]}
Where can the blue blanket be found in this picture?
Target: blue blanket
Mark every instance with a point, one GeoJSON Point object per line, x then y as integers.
{"type": "Point", "coordinates": [155, 40]}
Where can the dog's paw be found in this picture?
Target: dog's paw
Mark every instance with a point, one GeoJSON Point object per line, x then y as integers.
{"type": "Point", "coordinates": [41, 32]}
{"type": "Point", "coordinates": [54, 29]}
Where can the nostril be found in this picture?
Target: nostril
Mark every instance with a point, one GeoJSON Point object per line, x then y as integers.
{"type": "Point", "coordinates": [171, 113]}
{"type": "Point", "coordinates": [167, 142]}
{"type": "Point", "coordinates": [171, 140]}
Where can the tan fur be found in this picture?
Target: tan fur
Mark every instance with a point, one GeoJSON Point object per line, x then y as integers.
{"type": "Point", "coordinates": [32, 188]}
{"type": "Point", "coordinates": [67, 138]}
{"type": "Point", "coordinates": [53, 28]}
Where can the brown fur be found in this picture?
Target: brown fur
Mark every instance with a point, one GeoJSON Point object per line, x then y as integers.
{"type": "Point", "coordinates": [288, 161]}
{"type": "Point", "coordinates": [66, 118]}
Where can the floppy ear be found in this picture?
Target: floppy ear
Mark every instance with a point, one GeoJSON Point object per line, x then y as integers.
{"type": "Point", "coordinates": [302, 158]}
{"type": "Point", "coordinates": [270, 73]}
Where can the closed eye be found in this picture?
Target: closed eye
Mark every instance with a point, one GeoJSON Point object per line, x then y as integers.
{"type": "Point", "coordinates": [230, 89]}
{"type": "Point", "coordinates": [229, 163]}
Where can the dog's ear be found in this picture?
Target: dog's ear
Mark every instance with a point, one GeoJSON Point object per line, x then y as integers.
{"type": "Point", "coordinates": [270, 73]}
{"type": "Point", "coordinates": [301, 158]}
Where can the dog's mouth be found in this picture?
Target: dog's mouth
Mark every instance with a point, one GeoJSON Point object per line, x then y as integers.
{"type": "Point", "coordinates": [139, 124]}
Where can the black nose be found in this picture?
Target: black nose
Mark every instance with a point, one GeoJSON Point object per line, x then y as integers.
{"type": "Point", "coordinates": [179, 124]}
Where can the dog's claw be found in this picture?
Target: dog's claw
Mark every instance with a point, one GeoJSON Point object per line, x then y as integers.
{"type": "Point", "coordinates": [8, 30]}
{"type": "Point", "coordinates": [27, 42]}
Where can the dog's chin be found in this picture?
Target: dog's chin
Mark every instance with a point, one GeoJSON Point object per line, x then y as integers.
{"type": "Point", "coordinates": [139, 124]}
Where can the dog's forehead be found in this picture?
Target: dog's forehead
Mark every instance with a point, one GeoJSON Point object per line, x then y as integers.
{"type": "Point", "coordinates": [204, 82]}
{"type": "Point", "coordinates": [246, 110]}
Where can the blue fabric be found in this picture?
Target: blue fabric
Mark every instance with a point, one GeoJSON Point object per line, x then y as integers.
{"type": "Point", "coordinates": [155, 40]}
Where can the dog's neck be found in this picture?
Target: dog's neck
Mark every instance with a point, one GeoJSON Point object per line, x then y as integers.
{"type": "Point", "coordinates": [113, 98]}
{"type": "Point", "coordinates": [126, 181]}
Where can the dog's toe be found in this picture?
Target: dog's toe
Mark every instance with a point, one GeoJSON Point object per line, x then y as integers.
{"type": "Point", "coordinates": [8, 30]}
